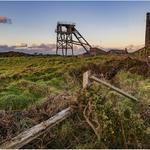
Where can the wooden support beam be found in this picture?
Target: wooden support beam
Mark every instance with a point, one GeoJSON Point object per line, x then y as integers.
{"type": "Point", "coordinates": [37, 130]}
{"type": "Point", "coordinates": [114, 88]}
{"type": "Point", "coordinates": [86, 81]}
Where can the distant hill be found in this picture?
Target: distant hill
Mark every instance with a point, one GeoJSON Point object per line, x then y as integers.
{"type": "Point", "coordinates": [139, 50]}
{"type": "Point", "coordinates": [13, 54]}
{"type": "Point", "coordinates": [92, 52]}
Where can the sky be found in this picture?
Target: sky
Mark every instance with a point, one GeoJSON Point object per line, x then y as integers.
{"type": "Point", "coordinates": [102, 23]}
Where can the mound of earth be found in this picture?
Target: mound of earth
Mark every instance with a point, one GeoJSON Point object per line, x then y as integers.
{"type": "Point", "coordinates": [110, 68]}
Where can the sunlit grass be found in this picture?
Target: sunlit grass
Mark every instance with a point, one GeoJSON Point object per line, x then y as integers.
{"type": "Point", "coordinates": [27, 80]}
{"type": "Point", "coordinates": [44, 76]}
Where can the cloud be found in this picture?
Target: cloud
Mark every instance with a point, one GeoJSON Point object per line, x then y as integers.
{"type": "Point", "coordinates": [6, 48]}
{"type": "Point", "coordinates": [21, 45]}
{"type": "Point", "coordinates": [5, 20]}
{"type": "Point", "coordinates": [43, 47]}
{"type": "Point", "coordinates": [35, 48]}
{"type": "Point", "coordinates": [39, 48]}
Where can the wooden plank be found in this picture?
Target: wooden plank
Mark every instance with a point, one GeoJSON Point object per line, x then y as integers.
{"type": "Point", "coordinates": [86, 80]}
{"type": "Point", "coordinates": [114, 88]}
{"type": "Point", "coordinates": [37, 130]}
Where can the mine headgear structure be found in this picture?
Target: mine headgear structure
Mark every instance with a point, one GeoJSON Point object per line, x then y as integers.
{"type": "Point", "coordinates": [67, 37]}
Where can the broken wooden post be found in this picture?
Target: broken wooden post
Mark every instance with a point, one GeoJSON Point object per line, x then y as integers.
{"type": "Point", "coordinates": [37, 130]}
{"type": "Point", "coordinates": [114, 88]}
{"type": "Point", "coordinates": [86, 81]}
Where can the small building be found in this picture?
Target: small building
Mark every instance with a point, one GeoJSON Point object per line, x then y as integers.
{"type": "Point", "coordinates": [117, 51]}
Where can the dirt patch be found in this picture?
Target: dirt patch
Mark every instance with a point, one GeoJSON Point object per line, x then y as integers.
{"type": "Point", "coordinates": [14, 122]}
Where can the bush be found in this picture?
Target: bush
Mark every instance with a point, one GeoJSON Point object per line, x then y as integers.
{"type": "Point", "coordinates": [117, 123]}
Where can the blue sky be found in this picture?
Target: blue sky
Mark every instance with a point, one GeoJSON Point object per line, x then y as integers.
{"type": "Point", "coordinates": [108, 24]}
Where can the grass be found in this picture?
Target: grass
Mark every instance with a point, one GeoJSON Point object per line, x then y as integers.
{"type": "Point", "coordinates": [134, 84]}
{"type": "Point", "coordinates": [121, 124]}
{"type": "Point", "coordinates": [26, 80]}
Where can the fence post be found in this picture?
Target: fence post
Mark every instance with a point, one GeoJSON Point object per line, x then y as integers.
{"type": "Point", "coordinates": [32, 133]}
{"type": "Point", "coordinates": [86, 81]}
{"type": "Point", "coordinates": [120, 91]}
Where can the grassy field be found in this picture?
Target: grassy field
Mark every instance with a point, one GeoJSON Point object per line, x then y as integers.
{"type": "Point", "coordinates": [27, 82]}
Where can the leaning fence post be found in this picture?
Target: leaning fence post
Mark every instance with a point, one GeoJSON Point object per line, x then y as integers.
{"type": "Point", "coordinates": [86, 81]}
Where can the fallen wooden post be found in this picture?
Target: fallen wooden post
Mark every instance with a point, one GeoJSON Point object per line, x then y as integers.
{"type": "Point", "coordinates": [37, 130]}
{"type": "Point", "coordinates": [114, 88]}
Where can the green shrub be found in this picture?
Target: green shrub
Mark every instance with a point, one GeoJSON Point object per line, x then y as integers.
{"type": "Point", "coordinates": [120, 124]}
